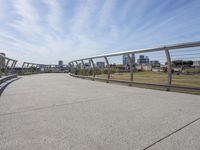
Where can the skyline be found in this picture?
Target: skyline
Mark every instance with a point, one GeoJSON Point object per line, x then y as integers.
{"type": "Point", "coordinates": [47, 31]}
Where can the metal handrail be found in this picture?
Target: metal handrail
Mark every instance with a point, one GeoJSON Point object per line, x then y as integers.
{"type": "Point", "coordinates": [2, 56]}
{"type": "Point", "coordinates": [169, 47]}
{"type": "Point", "coordinates": [6, 63]}
{"type": "Point", "coordinates": [165, 48]}
{"type": "Point", "coordinates": [26, 65]}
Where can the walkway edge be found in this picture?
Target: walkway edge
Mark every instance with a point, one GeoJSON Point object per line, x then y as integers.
{"type": "Point", "coordinates": [5, 84]}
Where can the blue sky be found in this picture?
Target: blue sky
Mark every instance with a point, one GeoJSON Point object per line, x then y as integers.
{"type": "Point", "coordinates": [44, 31]}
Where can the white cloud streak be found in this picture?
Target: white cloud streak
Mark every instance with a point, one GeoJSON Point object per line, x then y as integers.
{"type": "Point", "coordinates": [90, 27]}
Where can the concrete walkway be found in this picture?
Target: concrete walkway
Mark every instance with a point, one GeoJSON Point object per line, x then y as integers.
{"type": "Point", "coordinates": [59, 112]}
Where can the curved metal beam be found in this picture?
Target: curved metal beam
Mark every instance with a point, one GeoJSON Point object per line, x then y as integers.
{"type": "Point", "coordinates": [169, 47]}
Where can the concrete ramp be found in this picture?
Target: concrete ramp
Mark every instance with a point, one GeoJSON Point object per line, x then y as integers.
{"type": "Point", "coordinates": [56, 111]}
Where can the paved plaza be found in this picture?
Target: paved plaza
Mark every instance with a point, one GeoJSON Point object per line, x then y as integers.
{"type": "Point", "coordinates": [60, 112]}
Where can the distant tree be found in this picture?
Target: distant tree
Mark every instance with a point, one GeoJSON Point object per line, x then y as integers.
{"type": "Point", "coordinates": [179, 63]}
{"type": "Point", "coordinates": [98, 71]}
{"type": "Point", "coordinates": [105, 71]}
{"type": "Point", "coordinates": [90, 72]}
{"type": "Point", "coordinates": [81, 71]}
{"type": "Point", "coordinates": [112, 70]}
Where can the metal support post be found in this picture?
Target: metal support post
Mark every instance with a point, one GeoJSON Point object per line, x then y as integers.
{"type": "Point", "coordinates": [93, 67]}
{"type": "Point", "coordinates": [6, 67]}
{"type": "Point", "coordinates": [131, 68]}
{"type": "Point", "coordinates": [12, 66]}
{"type": "Point", "coordinates": [169, 69]}
{"type": "Point", "coordinates": [32, 68]}
{"type": "Point", "coordinates": [23, 68]}
{"type": "Point", "coordinates": [108, 68]}
{"type": "Point", "coordinates": [77, 66]}
{"type": "Point", "coordinates": [27, 69]}
{"type": "Point", "coordinates": [84, 73]}
{"type": "Point", "coordinates": [1, 65]}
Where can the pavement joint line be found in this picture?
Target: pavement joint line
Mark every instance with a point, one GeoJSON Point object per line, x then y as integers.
{"type": "Point", "coordinates": [21, 93]}
{"type": "Point", "coordinates": [171, 134]}
{"type": "Point", "coordinates": [56, 105]}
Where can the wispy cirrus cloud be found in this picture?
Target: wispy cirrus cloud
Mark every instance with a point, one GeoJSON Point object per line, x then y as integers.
{"type": "Point", "coordinates": [46, 31]}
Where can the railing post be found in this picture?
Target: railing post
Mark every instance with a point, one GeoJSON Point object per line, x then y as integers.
{"type": "Point", "coordinates": [169, 69]}
{"type": "Point", "coordinates": [70, 66]}
{"type": "Point", "coordinates": [78, 71]}
{"type": "Point", "coordinates": [12, 67]}
{"type": "Point", "coordinates": [108, 67]}
{"type": "Point", "coordinates": [1, 64]}
{"type": "Point", "coordinates": [27, 69]}
{"type": "Point", "coordinates": [15, 66]}
{"type": "Point", "coordinates": [32, 68]}
{"type": "Point", "coordinates": [45, 68]}
{"type": "Point", "coordinates": [84, 73]}
{"type": "Point", "coordinates": [93, 67]}
{"type": "Point", "coordinates": [23, 68]}
{"type": "Point", "coordinates": [50, 68]}
{"type": "Point", "coordinates": [37, 66]}
{"type": "Point", "coordinates": [73, 68]}
{"type": "Point", "coordinates": [130, 60]}
{"type": "Point", "coordinates": [6, 67]}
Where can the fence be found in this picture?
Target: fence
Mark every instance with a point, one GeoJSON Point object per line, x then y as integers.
{"type": "Point", "coordinates": [7, 68]}
{"type": "Point", "coordinates": [178, 65]}
{"type": "Point", "coordinates": [30, 68]}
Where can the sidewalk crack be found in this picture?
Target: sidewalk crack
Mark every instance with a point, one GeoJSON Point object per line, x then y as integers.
{"type": "Point", "coordinates": [165, 137]}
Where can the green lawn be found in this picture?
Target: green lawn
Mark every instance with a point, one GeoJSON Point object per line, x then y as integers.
{"type": "Point", "coordinates": [158, 78]}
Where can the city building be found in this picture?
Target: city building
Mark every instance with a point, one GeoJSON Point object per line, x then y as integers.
{"type": "Point", "coordinates": [196, 63]}
{"type": "Point", "coordinates": [100, 65]}
{"type": "Point", "coordinates": [118, 67]}
{"type": "Point", "coordinates": [60, 63]}
{"type": "Point", "coordinates": [143, 59]}
{"type": "Point", "coordinates": [144, 67]}
{"type": "Point", "coordinates": [86, 65]}
{"type": "Point", "coordinates": [155, 63]}
{"type": "Point", "coordinates": [125, 60]}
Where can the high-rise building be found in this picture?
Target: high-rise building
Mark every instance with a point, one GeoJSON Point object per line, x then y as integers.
{"type": "Point", "coordinates": [125, 59]}
{"type": "Point", "coordinates": [60, 63]}
{"type": "Point", "coordinates": [143, 59]}
{"type": "Point", "coordinates": [100, 64]}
